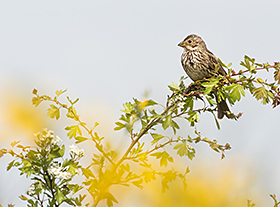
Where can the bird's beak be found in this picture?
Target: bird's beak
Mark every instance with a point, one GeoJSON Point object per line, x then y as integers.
{"type": "Point", "coordinates": [181, 44]}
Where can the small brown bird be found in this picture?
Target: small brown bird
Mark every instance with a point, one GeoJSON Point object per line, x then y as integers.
{"type": "Point", "coordinates": [200, 63]}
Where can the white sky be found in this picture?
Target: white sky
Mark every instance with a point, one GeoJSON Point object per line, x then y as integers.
{"type": "Point", "coordinates": [110, 51]}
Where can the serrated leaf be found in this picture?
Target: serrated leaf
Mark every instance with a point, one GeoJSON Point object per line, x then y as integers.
{"type": "Point", "coordinates": [138, 183]}
{"type": "Point", "coordinates": [22, 197]}
{"type": "Point", "coordinates": [174, 87]}
{"type": "Point", "coordinates": [35, 91]}
{"type": "Point", "coordinates": [80, 139]}
{"type": "Point", "coordinates": [182, 149]}
{"type": "Point", "coordinates": [164, 157]}
{"type": "Point", "coordinates": [191, 153]}
{"type": "Point", "coordinates": [148, 176]}
{"type": "Point", "coordinates": [10, 165]}
{"type": "Point", "coordinates": [167, 122]}
{"type": "Point", "coordinates": [59, 196]}
{"type": "Point", "coordinates": [36, 101]}
{"type": "Point", "coordinates": [208, 90]}
{"type": "Point", "coordinates": [235, 93]}
{"type": "Point", "coordinates": [53, 112]}
{"type": "Point", "coordinates": [156, 137]}
{"type": "Point", "coordinates": [193, 117]}
{"type": "Point", "coordinates": [151, 102]}
{"type": "Point", "coordinates": [277, 76]}
{"type": "Point", "coordinates": [59, 92]}
{"type": "Point", "coordinates": [110, 199]}
{"type": "Point", "coordinates": [230, 64]}
{"type": "Point", "coordinates": [72, 114]}
{"type": "Point", "coordinates": [87, 173]}
{"type": "Point", "coordinates": [14, 143]}
{"type": "Point", "coordinates": [2, 152]}
{"type": "Point", "coordinates": [259, 93]}
{"type": "Point", "coordinates": [187, 170]}
{"type": "Point", "coordinates": [210, 84]}
{"type": "Point", "coordinates": [128, 107]}
{"type": "Point", "coordinates": [119, 126]}
{"type": "Point", "coordinates": [73, 131]}
{"type": "Point", "coordinates": [174, 126]}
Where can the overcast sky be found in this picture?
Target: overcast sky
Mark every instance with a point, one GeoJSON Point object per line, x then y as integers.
{"type": "Point", "coordinates": [112, 50]}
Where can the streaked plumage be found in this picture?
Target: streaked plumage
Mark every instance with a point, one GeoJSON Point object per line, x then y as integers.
{"type": "Point", "coordinates": [199, 63]}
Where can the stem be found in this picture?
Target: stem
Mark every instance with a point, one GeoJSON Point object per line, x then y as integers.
{"type": "Point", "coordinates": [149, 126]}
{"type": "Point", "coordinates": [96, 202]}
{"type": "Point", "coordinates": [88, 130]}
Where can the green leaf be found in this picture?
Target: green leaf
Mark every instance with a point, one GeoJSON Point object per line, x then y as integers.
{"type": "Point", "coordinates": [187, 170]}
{"type": "Point", "coordinates": [151, 102]}
{"type": "Point", "coordinates": [230, 64]}
{"type": "Point", "coordinates": [235, 93]}
{"type": "Point", "coordinates": [59, 92]}
{"type": "Point", "coordinates": [193, 117]}
{"type": "Point", "coordinates": [156, 137]}
{"type": "Point", "coordinates": [61, 151]}
{"type": "Point", "coordinates": [22, 197]}
{"type": "Point", "coordinates": [97, 137]}
{"type": "Point", "coordinates": [36, 101]}
{"type": "Point", "coordinates": [35, 91]}
{"type": "Point", "coordinates": [191, 153]}
{"type": "Point", "coordinates": [182, 149]}
{"type": "Point", "coordinates": [164, 157]}
{"type": "Point", "coordinates": [174, 126]}
{"type": "Point", "coordinates": [128, 127]}
{"type": "Point", "coordinates": [119, 126]}
{"type": "Point", "coordinates": [10, 165]}
{"type": "Point", "coordinates": [277, 76]}
{"type": "Point", "coordinates": [149, 176]}
{"type": "Point", "coordinates": [189, 103]}
{"type": "Point", "coordinates": [72, 114]}
{"type": "Point", "coordinates": [53, 112]}
{"type": "Point", "coordinates": [262, 93]}
{"type": "Point", "coordinates": [174, 87]}
{"type": "Point", "coordinates": [110, 199]}
{"type": "Point", "coordinates": [208, 90]}
{"type": "Point", "coordinates": [259, 93]}
{"type": "Point", "coordinates": [128, 107]}
{"type": "Point", "coordinates": [56, 151]}
{"type": "Point", "coordinates": [210, 84]}
{"type": "Point", "coordinates": [87, 173]}
{"type": "Point", "coordinates": [73, 131]}
{"type": "Point", "coordinates": [59, 196]}
{"type": "Point", "coordinates": [14, 143]}
{"type": "Point", "coordinates": [80, 139]}
{"type": "Point", "coordinates": [138, 183]}
{"type": "Point", "coordinates": [167, 122]}
{"type": "Point", "coordinates": [168, 177]}
{"type": "Point", "coordinates": [2, 152]}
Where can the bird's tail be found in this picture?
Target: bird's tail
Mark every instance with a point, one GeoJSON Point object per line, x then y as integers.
{"type": "Point", "coordinates": [223, 110]}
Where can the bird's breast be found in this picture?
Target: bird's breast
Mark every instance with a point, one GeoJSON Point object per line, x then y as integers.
{"type": "Point", "coordinates": [195, 65]}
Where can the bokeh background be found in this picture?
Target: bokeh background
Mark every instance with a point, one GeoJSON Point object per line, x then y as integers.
{"type": "Point", "coordinates": [106, 52]}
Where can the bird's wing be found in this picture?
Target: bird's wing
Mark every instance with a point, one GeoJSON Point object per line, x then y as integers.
{"type": "Point", "coordinates": [213, 61]}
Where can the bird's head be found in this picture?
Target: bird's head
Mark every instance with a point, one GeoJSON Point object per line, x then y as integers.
{"type": "Point", "coordinates": [192, 43]}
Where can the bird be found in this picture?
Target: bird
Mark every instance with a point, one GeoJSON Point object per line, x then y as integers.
{"type": "Point", "coordinates": [199, 63]}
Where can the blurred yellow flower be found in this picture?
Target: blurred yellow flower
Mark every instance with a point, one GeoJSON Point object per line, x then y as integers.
{"type": "Point", "coordinates": [19, 116]}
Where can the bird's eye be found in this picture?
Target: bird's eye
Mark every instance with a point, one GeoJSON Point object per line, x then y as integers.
{"type": "Point", "coordinates": [189, 41]}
